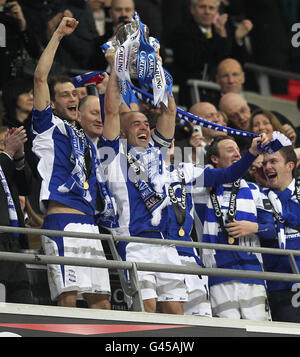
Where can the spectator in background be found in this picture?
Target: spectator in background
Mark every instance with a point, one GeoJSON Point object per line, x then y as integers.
{"type": "Point", "coordinates": [264, 121]}
{"type": "Point", "coordinates": [22, 46]}
{"type": "Point", "coordinates": [17, 99]}
{"type": "Point", "coordinates": [100, 10]}
{"type": "Point", "coordinates": [199, 137]}
{"type": "Point", "coordinates": [120, 12]}
{"type": "Point", "coordinates": [238, 112]}
{"type": "Point", "coordinates": [206, 42]}
{"type": "Point", "coordinates": [15, 180]}
{"type": "Point", "coordinates": [231, 78]}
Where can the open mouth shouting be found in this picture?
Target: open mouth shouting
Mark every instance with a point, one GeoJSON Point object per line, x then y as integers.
{"type": "Point", "coordinates": [143, 138]}
{"type": "Point", "coordinates": [72, 110]}
{"type": "Point", "coordinates": [271, 176]}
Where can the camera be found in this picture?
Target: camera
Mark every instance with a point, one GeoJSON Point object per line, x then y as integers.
{"type": "Point", "coordinates": [197, 129]}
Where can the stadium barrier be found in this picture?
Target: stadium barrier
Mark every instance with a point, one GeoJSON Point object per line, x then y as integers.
{"type": "Point", "coordinates": [131, 286]}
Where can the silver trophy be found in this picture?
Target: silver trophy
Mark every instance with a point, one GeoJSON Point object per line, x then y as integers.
{"type": "Point", "coordinates": [123, 33]}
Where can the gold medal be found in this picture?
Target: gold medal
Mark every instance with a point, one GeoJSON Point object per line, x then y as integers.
{"type": "Point", "coordinates": [86, 185]}
{"type": "Point", "coordinates": [231, 240]}
{"type": "Point", "coordinates": [181, 232]}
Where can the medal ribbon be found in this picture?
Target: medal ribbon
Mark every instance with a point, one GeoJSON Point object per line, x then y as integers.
{"type": "Point", "coordinates": [83, 162]}
{"type": "Point", "coordinates": [179, 206]}
{"type": "Point", "coordinates": [231, 208]}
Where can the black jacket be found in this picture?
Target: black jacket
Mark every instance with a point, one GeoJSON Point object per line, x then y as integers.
{"type": "Point", "coordinates": [20, 183]}
{"type": "Point", "coordinates": [197, 57]}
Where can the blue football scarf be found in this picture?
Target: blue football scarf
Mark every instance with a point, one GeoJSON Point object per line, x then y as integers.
{"type": "Point", "coordinates": [91, 78]}
{"type": "Point", "coordinates": [12, 213]}
{"type": "Point", "coordinates": [134, 93]}
{"type": "Point", "coordinates": [78, 177]}
{"type": "Point", "coordinates": [147, 169]}
{"type": "Point", "coordinates": [245, 210]}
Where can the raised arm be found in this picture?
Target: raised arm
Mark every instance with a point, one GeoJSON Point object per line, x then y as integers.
{"type": "Point", "coordinates": [111, 128]}
{"type": "Point", "coordinates": [165, 124]}
{"type": "Point", "coordinates": [41, 90]}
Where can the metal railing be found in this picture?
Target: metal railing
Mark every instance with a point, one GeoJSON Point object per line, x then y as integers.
{"type": "Point", "coordinates": [131, 286]}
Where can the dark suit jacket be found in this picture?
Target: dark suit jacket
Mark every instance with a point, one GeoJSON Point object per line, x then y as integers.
{"type": "Point", "coordinates": [20, 183]}
{"type": "Point", "coordinates": [195, 55]}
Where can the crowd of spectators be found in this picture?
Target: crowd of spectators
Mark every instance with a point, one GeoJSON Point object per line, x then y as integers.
{"type": "Point", "coordinates": [209, 40]}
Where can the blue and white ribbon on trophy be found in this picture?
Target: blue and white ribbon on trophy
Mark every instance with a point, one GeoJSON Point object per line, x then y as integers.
{"type": "Point", "coordinates": [150, 74]}
{"type": "Point", "coordinates": [279, 140]}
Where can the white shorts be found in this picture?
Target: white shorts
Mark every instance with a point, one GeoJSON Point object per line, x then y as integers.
{"type": "Point", "coordinates": [198, 294]}
{"type": "Point", "coordinates": [237, 300]}
{"type": "Point", "coordinates": [158, 285]}
{"type": "Point", "coordinates": [63, 278]}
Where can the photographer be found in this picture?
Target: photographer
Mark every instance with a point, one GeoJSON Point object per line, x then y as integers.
{"type": "Point", "coordinates": [21, 44]}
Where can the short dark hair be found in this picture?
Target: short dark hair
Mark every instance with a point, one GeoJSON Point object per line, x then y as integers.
{"type": "Point", "coordinates": [10, 93]}
{"type": "Point", "coordinates": [212, 149]}
{"type": "Point", "coordinates": [53, 80]}
{"type": "Point", "coordinates": [289, 155]}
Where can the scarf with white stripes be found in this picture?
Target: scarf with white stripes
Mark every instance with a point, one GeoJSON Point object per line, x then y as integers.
{"type": "Point", "coordinates": [13, 217]}
{"type": "Point", "coordinates": [245, 211]}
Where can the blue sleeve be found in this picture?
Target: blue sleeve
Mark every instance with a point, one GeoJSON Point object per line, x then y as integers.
{"type": "Point", "coordinates": [200, 209]}
{"type": "Point", "coordinates": [266, 227]}
{"type": "Point", "coordinates": [108, 149]}
{"type": "Point", "coordinates": [42, 120]}
{"type": "Point", "coordinates": [291, 214]}
{"type": "Point", "coordinates": [101, 100]}
{"type": "Point", "coordinates": [214, 177]}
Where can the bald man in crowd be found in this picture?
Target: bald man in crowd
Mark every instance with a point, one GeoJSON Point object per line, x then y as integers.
{"type": "Point", "coordinates": [238, 112]}
{"type": "Point", "coordinates": [198, 139]}
{"type": "Point", "coordinates": [231, 78]}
